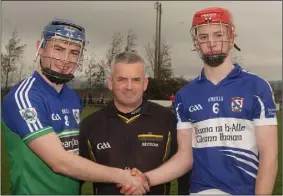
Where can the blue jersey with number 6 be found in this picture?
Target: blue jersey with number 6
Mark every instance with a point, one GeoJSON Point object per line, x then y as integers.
{"type": "Point", "coordinates": [223, 120]}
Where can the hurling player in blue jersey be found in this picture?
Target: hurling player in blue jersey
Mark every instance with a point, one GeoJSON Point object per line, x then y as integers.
{"type": "Point", "coordinates": [230, 116]}
{"type": "Point", "coordinates": [41, 116]}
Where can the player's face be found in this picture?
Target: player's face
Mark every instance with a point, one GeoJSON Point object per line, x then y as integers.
{"type": "Point", "coordinates": [128, 82]}
{"type": "Point", "coordinates": [60, 56]}
{"type": "Point", "coordinates": [212, 39]}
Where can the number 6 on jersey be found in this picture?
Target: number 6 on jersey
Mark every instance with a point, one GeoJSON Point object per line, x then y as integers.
{"type": "Point", "coordinates": [215, 108]}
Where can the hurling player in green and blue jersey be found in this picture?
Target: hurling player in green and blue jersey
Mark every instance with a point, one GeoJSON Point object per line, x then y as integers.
{"type": "Point", "coordinates": [41, 116]}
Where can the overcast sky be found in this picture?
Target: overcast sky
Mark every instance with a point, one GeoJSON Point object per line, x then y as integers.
{"type": "Point", "coordinates": [258, 25]}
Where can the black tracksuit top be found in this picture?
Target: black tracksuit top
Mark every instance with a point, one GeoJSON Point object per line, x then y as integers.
{"type": "Point", "coordinates": [145, 141]}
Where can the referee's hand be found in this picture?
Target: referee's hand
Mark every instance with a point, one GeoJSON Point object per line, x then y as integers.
{"type": "Point", "coordinates": [130, 189]}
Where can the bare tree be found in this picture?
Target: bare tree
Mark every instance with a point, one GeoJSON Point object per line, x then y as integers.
{"type": "Point", "coordinates": [4, 69]}
{"type": "Point", "coordinates": [164, 70]}
{"type": "Point", "coordinates": [100, 75]}
{"type": "Point", "coordinates": [20, 75]}
{"type": "Point", "coordinates": [9, 60]}
{"type": "Point", "coordinates": [95, 73]}
{"type": "Point", "coordinates": [90, 70]}
{"type": "Point", "coordinates": [131, 41]}
{"type": "Point", "coordinates": [115, 48]}
{"type": "Point", "coordinates": [117, 45]}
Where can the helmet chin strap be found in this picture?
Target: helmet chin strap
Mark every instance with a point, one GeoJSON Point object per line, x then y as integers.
{"type": "Point", "coordinates": [55, 77]}
{"type": "Point", "coordinates": [214, 60]}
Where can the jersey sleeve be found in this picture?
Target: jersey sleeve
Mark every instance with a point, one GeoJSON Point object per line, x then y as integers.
{"type": "Point", "coordinates": [264, 109]}
{"type": "Point", "coordinates": [25, 114]}
{"type": "Point", "coordinates": [182, 114]}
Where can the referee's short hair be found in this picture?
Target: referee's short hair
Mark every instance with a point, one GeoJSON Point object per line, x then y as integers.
{"type": "Point", "coordinates": [128, 58]}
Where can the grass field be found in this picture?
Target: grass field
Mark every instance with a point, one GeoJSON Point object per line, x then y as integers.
{"type": "Point", "coordinates": [87, 188]}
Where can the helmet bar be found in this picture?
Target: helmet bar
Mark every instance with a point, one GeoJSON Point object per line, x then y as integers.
{"type": "Point", "coordinates": [214, 15]}
{"type": "Point", "coordinates": [235, 46]}
{"type": "Point", "coordinates": [212, 47]}
{"type": "Point", "coordinates": [68, 32]}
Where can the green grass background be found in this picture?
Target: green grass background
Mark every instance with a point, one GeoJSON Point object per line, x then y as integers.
{"type": "Point", "coordinates": [87, 188]}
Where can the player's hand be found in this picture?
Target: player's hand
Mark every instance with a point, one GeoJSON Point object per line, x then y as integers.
{"type": "Point", "coordinates": [134, 183]}
{"type": "Point", "coordinates": [130, 189]}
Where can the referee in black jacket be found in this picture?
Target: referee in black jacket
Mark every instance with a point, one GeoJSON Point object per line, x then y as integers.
{"type": "Point", "coordinates": [130, 132]}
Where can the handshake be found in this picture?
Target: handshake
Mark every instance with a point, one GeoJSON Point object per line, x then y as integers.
{"type": "Point", "coordinates": [136, 183]}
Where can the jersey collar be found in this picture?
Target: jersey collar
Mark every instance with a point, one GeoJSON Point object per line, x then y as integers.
{"type": "Point", "coordinates": [112, 111]}
{"type": "Point", "coordinates": [236, 71]}
{"type": "Point", "coordinates": [47, 86]}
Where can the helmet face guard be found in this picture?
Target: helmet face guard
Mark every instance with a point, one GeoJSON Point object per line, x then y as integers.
{"type": "Point", "coordinates": [213, 35]}
{"type": "Point", "coordinates": [63, 43]}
